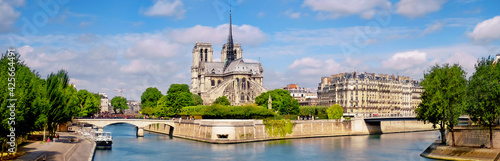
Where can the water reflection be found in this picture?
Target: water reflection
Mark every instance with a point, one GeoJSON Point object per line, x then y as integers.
{"type": "Point", "coordinates": [401, 146]}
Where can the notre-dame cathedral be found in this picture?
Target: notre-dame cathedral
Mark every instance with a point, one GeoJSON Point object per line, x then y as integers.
{"type": "Point", "coordinates": [239, 81]}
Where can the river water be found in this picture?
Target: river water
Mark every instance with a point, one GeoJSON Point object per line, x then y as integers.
{"type": "Point", "coordinates": [399, 146]}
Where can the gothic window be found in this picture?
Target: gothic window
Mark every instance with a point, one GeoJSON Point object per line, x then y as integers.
{"type": "Point", "coordinates": [201, 54]}
{"type": "Point", "coordinates": [237, 82]}
{"type": "Point", "coordinates": [206, 55]}
{"type": "Point", "coordinates": [242, 97]}
{"type": "Point", "coordinates": [213, 83]}
{"type": "Point", "coordinates": [248, 84]}
{"type": "Point", "coordinates": [243, 83]}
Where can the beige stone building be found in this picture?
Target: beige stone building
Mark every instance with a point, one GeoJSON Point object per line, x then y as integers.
{"type": "Point", "coordinates": [368, 94]}
{"type": "Point", "coordinates": [303, 95]}
{"type": "Point", "coordinates": [239, 81]}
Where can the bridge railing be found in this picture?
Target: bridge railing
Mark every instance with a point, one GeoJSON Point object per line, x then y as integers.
{"type": "Point", "coordinates": [121, 118]}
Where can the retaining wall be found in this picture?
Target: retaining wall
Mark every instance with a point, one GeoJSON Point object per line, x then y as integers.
{"type": "Point", "coordinates": [254, 130]}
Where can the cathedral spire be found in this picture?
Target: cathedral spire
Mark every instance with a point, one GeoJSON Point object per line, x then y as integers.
{"type": "Point", "coordinates": [230, 37]}
{"type": "Point", "coordinates": [230, 52]}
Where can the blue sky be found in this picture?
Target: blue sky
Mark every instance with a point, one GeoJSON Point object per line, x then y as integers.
{"type": "Point", "coordinates": [108, 45]}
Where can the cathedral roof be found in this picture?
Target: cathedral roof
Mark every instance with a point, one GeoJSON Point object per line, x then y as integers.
{"type": "Point", "coordinates": [236, 66]}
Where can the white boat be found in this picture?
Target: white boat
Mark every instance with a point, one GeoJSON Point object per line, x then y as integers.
{"type": "Point", "coordinates": [103, 139]}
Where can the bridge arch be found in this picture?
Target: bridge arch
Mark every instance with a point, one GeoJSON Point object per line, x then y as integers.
{"type": "Point", "coordinates": [138, 123]}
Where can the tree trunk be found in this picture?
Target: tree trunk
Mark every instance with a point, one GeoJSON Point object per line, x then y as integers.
{"type": "Point", "coordinates": [443, 136]}
{"type": "Point", "coordinates": [452, 136]}
{"type": "Point", "coordinates": [44, 128]}
{"type": "Point", "coordinates": [491, 136]}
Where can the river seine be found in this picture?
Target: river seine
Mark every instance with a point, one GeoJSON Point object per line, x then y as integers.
{"type": "Point", "coordinates": [399, 146]}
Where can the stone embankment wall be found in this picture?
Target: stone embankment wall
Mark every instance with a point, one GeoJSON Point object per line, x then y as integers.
{"type": "Point", "coordinates": [254, 130]}
{"type": "Point", "coordinates": [404, 126]}
{"type": "Point", "coordinates": [475, 136]}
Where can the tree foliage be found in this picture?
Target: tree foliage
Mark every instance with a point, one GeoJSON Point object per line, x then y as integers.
{"type": "Point", "coordinates": [282, 101]}
{"type": "Point", "coordinates": [222, 100]}
{"type": "Point", "coordinates": [150, 97]}
{"type": "Point", "coordinates": [335, 112]}
{"type": "Point", "coordinates": [178, 96]}
{"type": "Point", "coordinates": [197, 100]}
{"type": "Point", "coordinates": [88, 103]}
{"type": "Point", "coordinates": [484, 94]}
{"type": "Point", "coordinates": [119, 103]}
{"type": "Point", "coordinates": [443, 98]}
{"type": "Point", "coordinates": [27, 88]}
{"type": "Point", "coordinates": [40, 104]}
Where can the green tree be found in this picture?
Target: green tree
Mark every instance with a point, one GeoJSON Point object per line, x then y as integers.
{"type": "Point", "coordinates": [62, 101]}
{"type": "Point", "coordinates": [88, 103]}
{"type": "Point", "coordinates": [177, 88]}
{"type": "Point", "coordinates": [484, 94]}
{"type": "Point", "coordinates": [197, 100]}
{"type": "Point", "coordinates": [119, 103]}
{"type": "Point", "coordinates": [282, 101]}
{"type": "Point", "coordinates": [150, 97]}
{"type": "Point", "coordinates": [335, 112]}
{"type": "Point", "coordinates": [148, 111]}
{"type": "Point", "coordinates": [178, 96]}
{"type": "Point", "coordinates": [443, 97]}
{"type": "Point", "coordinates": [222, 100]}
{"type": "Point", "coordinates": [27, 88]}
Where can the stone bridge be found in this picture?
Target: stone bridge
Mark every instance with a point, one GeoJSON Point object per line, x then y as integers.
{"type": "Point", "coordinates": [139, 123]}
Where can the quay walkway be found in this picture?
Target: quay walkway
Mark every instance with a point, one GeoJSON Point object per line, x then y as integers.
{"type": "Point", "coordinates": [69, 147]}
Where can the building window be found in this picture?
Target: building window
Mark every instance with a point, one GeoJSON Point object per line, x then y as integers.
{"type": "Point", "coordinates": [205, 55]}
{"type": "Point", "coordinates": [242, 97]}
{"type": "Point", "coordinates": [213, 83]}
{"type": "Point", "coordinates": [218, 82]}
{"type": "Point", "coordinates": [201, 54]}
{"type": "Point", "coordinates": [243, 83]}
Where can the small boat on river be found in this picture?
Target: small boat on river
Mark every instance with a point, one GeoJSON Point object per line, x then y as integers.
{"type": "Point", "coordinates": [103, 139]}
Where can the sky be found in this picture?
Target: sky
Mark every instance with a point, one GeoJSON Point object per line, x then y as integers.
{"type": "Point", "coordinates": [132, 45]}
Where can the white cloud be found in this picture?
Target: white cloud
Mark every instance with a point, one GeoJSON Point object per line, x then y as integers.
{"type": "Point", "coordinates": [418, 8]}
{"type": "Point", "coordinates": [487, 30]}
{"type": "Point", "coordinates": [292, 14]}
{"type": "Point", "coordinates": [169, 8]}
{"type": "Point", "coordinates": [152, 48]}
{"type": "Point", "coordinates": [8, 15]}
{"type": "Point", "coordinates": [25, 50]}
{"type": "Point", "coordinates": [135, 66]}
{"type": "Point", "coordinates": [337, 8]}
{"type": "Point", "coordinates": [244, 34]}
{"type": "Point", "coordinates": [319, 67]}
{"type": "Point", "coordinates": [433, 28]}
{"type": "Point", "coordinates": [405, 60]}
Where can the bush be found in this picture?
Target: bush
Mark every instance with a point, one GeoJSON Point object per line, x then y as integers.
{"type": "Point", "coordinates": [312, 110]}
{"type": "Point", "coordinates": [217, 111]}
{"type": "Point", "coordinates": [335, 112]}
{"type": "Point", "coordinates": [222, 101]}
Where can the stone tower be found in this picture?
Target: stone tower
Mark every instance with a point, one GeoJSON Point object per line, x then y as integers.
{"type": "Point", "coordinates": [202, 53]}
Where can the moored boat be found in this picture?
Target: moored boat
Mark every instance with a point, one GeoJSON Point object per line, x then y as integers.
{"type": "Point", "coordinates": [103, 139]}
